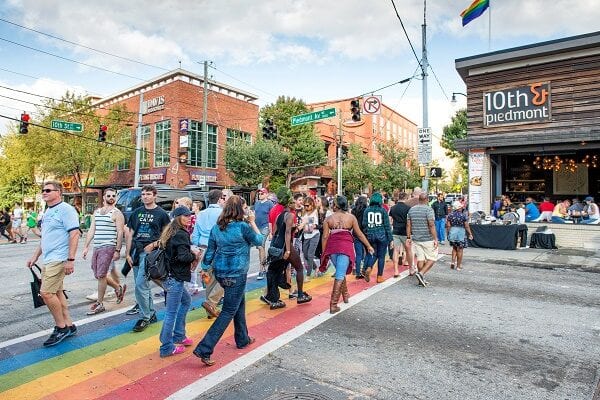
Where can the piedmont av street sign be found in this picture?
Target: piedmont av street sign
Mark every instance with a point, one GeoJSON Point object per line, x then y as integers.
{"type": "Point", "coordinates": [312, 117]}
{"type": "Point", "coordinates": [66, 126]}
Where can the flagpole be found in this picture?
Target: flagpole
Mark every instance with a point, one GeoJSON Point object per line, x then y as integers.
{"type": "Point", "coordinates": [490, 27]}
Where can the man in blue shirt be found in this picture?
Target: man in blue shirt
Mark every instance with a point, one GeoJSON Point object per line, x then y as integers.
{"type": "Point", "coordinates": [262, 207]}
{"type": "Point", "coordinates": [207, 218]}
{"type": "Point", "coordinates": [531, 211]}
{"type": "Point", "coordinates": [58, 246]}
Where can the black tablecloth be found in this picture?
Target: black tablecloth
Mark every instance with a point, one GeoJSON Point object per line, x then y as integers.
{"type": "Point", "coordinates": [502, 237]}
{"type": "Point", "coordinates": [543, 241]}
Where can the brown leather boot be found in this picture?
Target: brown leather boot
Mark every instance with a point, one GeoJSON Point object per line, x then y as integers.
{"type": "Point", "coordinates": [345, 294]}
{"type": "Point", "coordinates": [335, 296]}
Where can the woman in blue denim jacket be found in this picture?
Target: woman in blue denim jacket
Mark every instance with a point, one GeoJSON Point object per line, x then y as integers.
{"type": "Point", "coordinates": [229, 253]}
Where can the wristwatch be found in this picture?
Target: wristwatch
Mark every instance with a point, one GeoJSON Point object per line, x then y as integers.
{"type": "Point", "coordinates": [70, 259]}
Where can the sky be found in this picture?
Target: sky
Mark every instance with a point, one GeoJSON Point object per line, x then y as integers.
{"type": "Point", "coordinates": [312, 50]}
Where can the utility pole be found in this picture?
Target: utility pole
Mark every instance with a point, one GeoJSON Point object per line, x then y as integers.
{"type": "Point", "coordinates": [339, 155]}
{"type": "Point", "coordinates": [138, 143]}
{"type": "Point", "coordinates": [204, 151]}
{"type": "Point", "coordinates": [424, 68]}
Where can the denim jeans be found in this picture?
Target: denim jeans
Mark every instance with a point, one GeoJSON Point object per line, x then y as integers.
{"type": "Point", "coordinates": [341, 262]}
{"type": "Point", "coordinates": [359, 249]}
{"type": "Point", "coordinates": [178, 305]}
{"type": "Point", "coordinates": [440, 229]}
{"type": "Point", "coordinates": [234, 308]}
{"type": "Point", "coordinates": [380, 246]}
{"type": "Point", "coordinates": [309, 247]}
{"type": "Point", "coordinates": [143, 295]}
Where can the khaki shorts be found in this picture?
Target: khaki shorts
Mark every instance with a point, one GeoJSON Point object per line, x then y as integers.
{"type": "Point", "coordinates": [53, 275]}
{"type": "Point", "coordinates": [399, 240]}
{"type": "Point", "coordinates": [426, 251]}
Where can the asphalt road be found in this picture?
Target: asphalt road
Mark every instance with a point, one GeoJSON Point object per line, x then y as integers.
{"type": "Point", "coordinates": [489, 332]}
{"type": "Point", "coordinates": [17, 315]}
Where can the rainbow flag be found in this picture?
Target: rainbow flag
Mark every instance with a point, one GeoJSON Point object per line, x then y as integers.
{"type": "Point", "coordinates": [474, 10]}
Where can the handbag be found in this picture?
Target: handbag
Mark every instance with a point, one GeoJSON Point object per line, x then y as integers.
{"type": "Point", "coordinates": [275, 253]}
{"type": "Point", "coordinates": [36, 285]}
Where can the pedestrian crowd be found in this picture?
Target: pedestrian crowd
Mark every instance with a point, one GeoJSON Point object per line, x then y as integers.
{"type": "Point", "coordinates": [298, 237]}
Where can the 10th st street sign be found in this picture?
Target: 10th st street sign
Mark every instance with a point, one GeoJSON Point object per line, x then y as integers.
{"type": "Point", "coordinates": [66, 126]}
{"type": "Point", "coordinates": [312, 117]}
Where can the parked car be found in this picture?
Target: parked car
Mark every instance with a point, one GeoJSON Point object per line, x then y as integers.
{"type": "Point", "coordinates": [131, 198]}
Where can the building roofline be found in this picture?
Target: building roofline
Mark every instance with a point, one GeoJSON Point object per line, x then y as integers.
{"type": "Point", "coordinates": [174, 74]}
{"type": "Point", "coordinates": [535, 50]}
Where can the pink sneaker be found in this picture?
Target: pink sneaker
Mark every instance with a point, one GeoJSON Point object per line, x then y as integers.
{"type": "Point", "coordinates": [186, 342]}
{"type": "Point", "coordinates": [178, 350]}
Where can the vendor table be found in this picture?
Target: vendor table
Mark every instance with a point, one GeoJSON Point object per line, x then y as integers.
{"type": "Point", "coordinates": [543, 241]}
{"type": "Point", "coordinates": [494, 236]}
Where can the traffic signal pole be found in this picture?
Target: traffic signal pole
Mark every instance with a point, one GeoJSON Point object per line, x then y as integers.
{"type": "Point", "coordinates": [204, 122]}
{"type": "Point", "coordinates": [138, 143]}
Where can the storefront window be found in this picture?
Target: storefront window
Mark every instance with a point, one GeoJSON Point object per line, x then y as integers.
{"type": "Point", "coordinates": [144, 146]}
{"type": "Point", "coordinates": [162, 143]}
{"type": "Point", "coordinates": [195, 143]}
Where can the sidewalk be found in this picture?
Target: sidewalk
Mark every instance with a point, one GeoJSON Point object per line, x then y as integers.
{"type": "Point", "coordinates": [581, 259]}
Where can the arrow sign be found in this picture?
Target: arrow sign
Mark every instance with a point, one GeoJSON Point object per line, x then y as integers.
{"type": "Point", "coordinates": [424, 141]}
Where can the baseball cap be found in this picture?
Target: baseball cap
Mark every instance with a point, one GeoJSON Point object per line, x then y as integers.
{"type": "Point", "coordinates": [590, 199]}
{"type": "Point", "coordinates": [181, 210]}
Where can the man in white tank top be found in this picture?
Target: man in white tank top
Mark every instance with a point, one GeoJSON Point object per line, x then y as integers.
{"type": "Point", "coordinates": [106, 231]}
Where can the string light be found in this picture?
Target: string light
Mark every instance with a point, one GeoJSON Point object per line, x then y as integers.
{"type": "Point", "coordinates": [556, 163]}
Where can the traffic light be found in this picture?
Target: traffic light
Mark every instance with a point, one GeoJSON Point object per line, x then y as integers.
{"type": "Point", "coordinates": [269, 130]}
{"type": "Point", "coordinates": [102, 133]}
{"type": "Point", "coordinates": [355, 110]}
{"type": "Point", "coordinates": [24, 125]}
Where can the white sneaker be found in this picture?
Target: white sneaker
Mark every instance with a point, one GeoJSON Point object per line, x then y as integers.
{"type": "Point", "coordinates": [92, 297]}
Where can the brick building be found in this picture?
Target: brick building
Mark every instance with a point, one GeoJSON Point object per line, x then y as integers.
{"type": "Point", "coordinates": [372, 129]}
{"type": "Point", "coordinates": [173, 105]}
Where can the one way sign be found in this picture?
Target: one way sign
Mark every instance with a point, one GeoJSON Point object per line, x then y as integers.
{"type": "Point", "coordinates": [435, 172]}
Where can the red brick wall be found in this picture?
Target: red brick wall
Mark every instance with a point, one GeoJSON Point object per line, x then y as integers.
{"type": "Point", "coordinates": [185, 100]}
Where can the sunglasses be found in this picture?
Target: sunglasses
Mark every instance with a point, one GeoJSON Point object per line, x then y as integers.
{"type": "Point", "coordinates": [110, 195]}
{"type": "Point", "coordinates": [223, 197]}
{"type": "Point", "coordinates": [49, 190]}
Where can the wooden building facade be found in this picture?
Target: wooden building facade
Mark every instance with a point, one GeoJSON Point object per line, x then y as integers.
{"type": "Point", "coordinates": [533, 125]}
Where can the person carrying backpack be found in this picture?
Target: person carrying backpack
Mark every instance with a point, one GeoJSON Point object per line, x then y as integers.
{"type": "Point", "coordinates": [175, 239]}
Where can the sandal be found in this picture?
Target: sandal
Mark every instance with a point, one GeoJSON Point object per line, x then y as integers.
{"type": "Point", "coordinates": [451, 265]}
{"type": "Point", "coordinates": [250, 341]}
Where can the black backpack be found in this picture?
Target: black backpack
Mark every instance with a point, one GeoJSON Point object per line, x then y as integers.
{"type": "Point", "coordinates": [157, 265]}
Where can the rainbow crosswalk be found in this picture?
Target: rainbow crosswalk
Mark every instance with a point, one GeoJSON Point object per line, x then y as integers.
{"type": "Point", "coordinates": [106, 360]}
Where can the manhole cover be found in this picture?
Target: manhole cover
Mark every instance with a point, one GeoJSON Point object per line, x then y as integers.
{"type": "Point", "coordinates": [298, 396]}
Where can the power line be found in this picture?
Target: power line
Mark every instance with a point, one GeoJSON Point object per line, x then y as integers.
{"type": "Point", "coordinates": [20, 73]}
{"type": "Point", "coordinates": [439, 83]}
{"type": "Point", "coordinates": [245, 83]}
{"type": "Point", "coordinates": [407, 38]}
{"type": "Point", "coordinates": [71, 60]}
{"type": "Point", "coordinates": [83, 46]}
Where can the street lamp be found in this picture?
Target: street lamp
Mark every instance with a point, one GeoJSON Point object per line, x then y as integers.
{"type": "Point", "coordinates": [454, 96]}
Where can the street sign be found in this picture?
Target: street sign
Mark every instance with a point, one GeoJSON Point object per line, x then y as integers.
{"type": "Point", "coordinates": [66, 126]}
{"type": "Point", "coordinates": [313, 116]}
{"type": "Point", "coordinates": [372, 104]}
{"type": "Point", "coordinates": [424, 143]}
{"type": "Point", "coordinates": [435, 172]}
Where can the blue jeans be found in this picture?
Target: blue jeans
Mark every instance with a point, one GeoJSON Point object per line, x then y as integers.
{"type": "Point", "coordinates": [234, 308]}
{"type": "Point", "coordinates": [558, 220]}
{"type": "Point", "coordinates": [440, 229]}
{"type": "Point", "coordinates": [341, 262]}
{"type": "Point", "coordinates": [359, 249]}
{"type": "Point", "coordinates": [380, 246]}
{"type": "Point", "coordinates": [143, 295]}
{"type": "Point", "coordinates": [178, 305]}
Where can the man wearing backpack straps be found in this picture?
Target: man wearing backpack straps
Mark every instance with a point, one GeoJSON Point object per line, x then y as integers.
{"type": "Point", "coordinates": [143, 231]}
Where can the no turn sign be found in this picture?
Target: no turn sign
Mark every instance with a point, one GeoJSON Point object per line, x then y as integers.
{"type": "Point", "coordinates": [371, 105]}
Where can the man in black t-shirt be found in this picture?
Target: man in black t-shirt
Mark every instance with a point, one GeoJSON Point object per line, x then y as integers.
{"type": "Point", "coordinates": [399, 213]}
{"type": "Point", "coordinates": [4, 223]}
{"type": "Point", "coordinates": [144, 227]}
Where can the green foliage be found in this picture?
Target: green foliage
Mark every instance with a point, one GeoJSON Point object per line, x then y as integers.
{"type": "Point", "coordinates": [457, 129]}
{"type": "Point", "coordinates": [248, 163]}
{"type": "Point", "coordinates": [357, 170]}
{"type": "Point", "coordinates": [44, 153]}
{"type": "Point", "coordinates": [396, 170]}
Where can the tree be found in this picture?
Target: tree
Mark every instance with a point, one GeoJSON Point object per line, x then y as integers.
{"type": "Point", "coordinates": [392, 173]}
{"type": "Point", "coordinates": [248, 164]}
{"type": "Point", "coordinates": [302, 144]}
{"type": "Point", "coordinates": [457, 129]}
{"type": "Point", "coordinates": [78, 155]}
{"type": "Point", "coordinates": [357, 171]}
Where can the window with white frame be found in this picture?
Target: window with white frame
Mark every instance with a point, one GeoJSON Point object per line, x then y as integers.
{"type": "Point", "coordinates": [195, 143]}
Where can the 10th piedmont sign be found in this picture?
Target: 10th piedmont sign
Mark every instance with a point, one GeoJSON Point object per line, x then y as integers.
{"type": "Point", "coordinates": [520, 105]}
